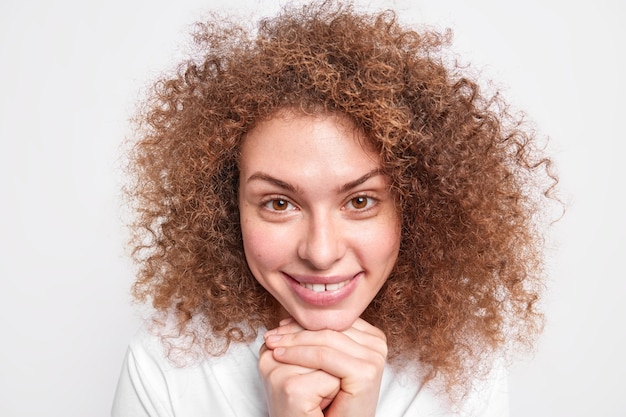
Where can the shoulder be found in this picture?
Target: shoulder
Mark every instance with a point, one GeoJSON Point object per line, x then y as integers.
{"type": "Point", "coordinates": [402, 393]}
{"type": "Point", "coordinates": [159, 380]}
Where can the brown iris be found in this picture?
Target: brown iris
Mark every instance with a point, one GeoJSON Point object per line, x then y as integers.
{"type": "Point", "coordinates": [359, 202]}
{"type": "Point", "coordinates": [279, 204]}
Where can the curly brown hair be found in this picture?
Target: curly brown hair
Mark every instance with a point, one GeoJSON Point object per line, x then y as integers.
{"type": "Point", "coordinates": [467, 176]}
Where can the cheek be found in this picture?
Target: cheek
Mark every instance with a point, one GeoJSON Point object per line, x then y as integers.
{"type": "Point", "coordinates": [264, 248]}
{"type": "Point", "coordinates": [382, 242]}
{"type": "Point", "coordinates": [384, 247]}
{"type": "Point", "coordinates": [253, 245]}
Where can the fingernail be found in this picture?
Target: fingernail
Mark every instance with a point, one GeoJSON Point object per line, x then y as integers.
{"type": "Point", "coordinates": [279, 351]}
{"type": "Point", "coordinates": [273, 338]}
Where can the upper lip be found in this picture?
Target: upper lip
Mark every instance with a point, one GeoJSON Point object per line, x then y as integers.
{"type": "Point", "coordinates": [317, 279]}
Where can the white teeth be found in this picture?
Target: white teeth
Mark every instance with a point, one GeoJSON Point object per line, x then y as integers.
{"type": "Point", "coordinates": [333, 287]}
{"type": "Point", "coordinates": [324, 287]}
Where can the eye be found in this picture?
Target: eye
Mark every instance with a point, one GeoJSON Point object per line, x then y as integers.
{"type": "Point", "coordinates": [361, 202]}
{"type": "Point", "coordinates": [278, 204]}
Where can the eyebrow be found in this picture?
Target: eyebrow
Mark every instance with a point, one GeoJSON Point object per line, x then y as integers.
{"type": "Point", "coordinates": [266, 177]}
{"type": "Point", "coordinates": [353, 184]}
{"type": "Point", "coordinates": [287, 186]}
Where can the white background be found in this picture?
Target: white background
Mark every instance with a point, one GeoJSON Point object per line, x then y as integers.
{"type": "Point", "coordinates": [70, 74]}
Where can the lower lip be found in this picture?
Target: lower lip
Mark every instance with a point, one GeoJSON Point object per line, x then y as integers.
{"type": "Point", "coordinates": [323, 298]}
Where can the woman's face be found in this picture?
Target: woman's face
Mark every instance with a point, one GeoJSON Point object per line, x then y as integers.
{"type": "Point", "coordinates": [320, 229]}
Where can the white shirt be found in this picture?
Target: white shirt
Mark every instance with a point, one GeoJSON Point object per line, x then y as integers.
{"type": "Point", "coordinates": [229, 385]}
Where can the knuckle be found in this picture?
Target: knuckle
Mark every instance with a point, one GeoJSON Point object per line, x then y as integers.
{"type": "Point", "coordinates": [274, 378]}
{"type": "Point", "coordinates": [292, 388]}
{"type": "Point", "coordinates": [266, 362]}
{"type": "Point", "coordinates": [322, 355]}
{"type": "Point", "coordinates": [380, 345]}
{"type": "Point", "coordinates": [327, 336]}
{"type": "Point", "coordinates": [379, 334]}
{"type": "Point", "coordinates": [370, 371]}
{"type": "Point", "coordinates": [383, 349]}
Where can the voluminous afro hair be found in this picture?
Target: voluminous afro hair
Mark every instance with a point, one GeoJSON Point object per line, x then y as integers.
{"type": "Point", "coordinates": [468, 180]}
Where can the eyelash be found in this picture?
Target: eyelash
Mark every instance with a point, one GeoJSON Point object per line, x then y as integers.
{"type": "Point", "coordinates": [371, 202]}
{"type": "Point", "coordinates": [267, 204]}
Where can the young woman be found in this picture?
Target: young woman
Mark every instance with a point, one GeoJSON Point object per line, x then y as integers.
{"type": "Point", "coordinates": [331, 221]}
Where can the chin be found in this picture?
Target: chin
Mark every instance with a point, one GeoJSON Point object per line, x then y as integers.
{"type": "Point", "coordinates": [336, 320]}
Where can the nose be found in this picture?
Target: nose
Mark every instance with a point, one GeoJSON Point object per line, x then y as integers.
{"type": "Point", "coordinates": [322, 244]}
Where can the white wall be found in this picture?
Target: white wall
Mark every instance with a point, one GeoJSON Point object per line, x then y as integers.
{"type": "Point", "coordinates": [70, 73]}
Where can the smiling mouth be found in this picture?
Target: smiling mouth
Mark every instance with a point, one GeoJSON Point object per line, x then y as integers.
{"type": "Point", "coordinates": [324, 287]}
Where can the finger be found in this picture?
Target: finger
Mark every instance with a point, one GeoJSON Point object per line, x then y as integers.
{"type": "Point", "coordinates": [286, 321]}
{"type": "Point", "coordinates": [361, 328]}
{"type": "Point", "coordinates": [336, 362]}
{"type": "Point", "coordinates": [289, 326]}
{"type": "Point", "coordinates": [311, 392]}
{"type": "Point", "coordinates": [359, 379]}
{"type": "Point", "coordinates": [361, 331]}
{"type": "Point", "coordinates": [324, 386]}
{"type": "Point", "coordinates": [293, 387]}
{"type": "Point", "coordinates": [369, 336]}
{"type": "Point", "coordinates": [286, 326]}
{"type": "Point", "coordinates": [267, 364]}
{"type": "Point", "coordinates": [355, 343]}
{"type": "Point", "coordinates": [365, 327]}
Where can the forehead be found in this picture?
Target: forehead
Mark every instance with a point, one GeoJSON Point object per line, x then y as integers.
{"type": "Point", "coordinates": [315, 157]}
{"type": "Point", "coordinates": [330, 141]}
